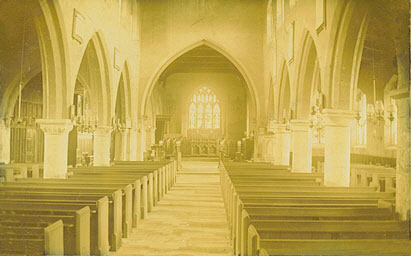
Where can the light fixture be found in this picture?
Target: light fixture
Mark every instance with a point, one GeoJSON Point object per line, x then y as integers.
{"type": "Point", "coordinates": [375, 111]}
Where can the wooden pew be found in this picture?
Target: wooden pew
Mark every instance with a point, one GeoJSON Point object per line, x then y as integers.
{"type": "Point", "coordinates": [108, 212]}
{"type": "Point", "coordinates": [279, 210]}
{"type": "Point", "coordinates": [149, 181]}
{"type": "Point", "coordinates": [42, 239]}
{"type": "Point", "coordinates": [371, 247]}
{"type": "Point", "coordinates": [90, 218]}
{"type": "Point", "coordinates": [76, 225]}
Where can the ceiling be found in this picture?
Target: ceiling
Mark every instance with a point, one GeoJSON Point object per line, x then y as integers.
{"type": "Point", "coordinates": [202, 59]}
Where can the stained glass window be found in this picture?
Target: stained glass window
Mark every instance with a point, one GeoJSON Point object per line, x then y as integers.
{"type": "Point", "coordinates": [200, 116]}
{"type": "Point", "coordinates": [216, 116]}
{"type": "Point", "coordinates": [209, 117]}
{"type": "Point", "coordinates": [204, 112]}
{"type": "Point", "coordinates": [192, 115]}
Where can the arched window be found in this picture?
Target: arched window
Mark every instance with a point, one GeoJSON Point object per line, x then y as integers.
{"type": "Point", "coordinates": [216, 116]}
{"type": "Point", "coordinates": [209, 117]}
{"type": "Point", "coordinates": [192, 115]}
{"type": "Point", "coordinates": [204, 112]}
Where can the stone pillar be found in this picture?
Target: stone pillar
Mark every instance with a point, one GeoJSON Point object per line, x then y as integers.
{"type": "Point", "coordinates": [337, 147]}
{"type": "Point", "coordinates": [259, 145]}
{"type": "Point", "coordinates": [178, 146]}
{"type": "Point", "coordinates": [121, 141]}
{"type": "Point", "coordinates": [55, 146]}
{"type": "Point", "coordinates": [302, 146]}
{"type": "Point", "coordinates": [402, 198]}
{"type": "Point", "coordinates": [4, 142]}
{"type": "Point", "coordinates": [124, 144]}
{"type": "Point", "coordinates": [132, 145]}
{"type": "Point", "coordinates": [141, 143]}
{"type": "Point", "coordinates": [282, 142]}
{"type": "Point", "coordinates": [101, 145]}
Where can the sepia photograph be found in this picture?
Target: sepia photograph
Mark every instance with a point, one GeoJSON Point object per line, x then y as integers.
{"type": "Point", "coordinates": [205, 127]}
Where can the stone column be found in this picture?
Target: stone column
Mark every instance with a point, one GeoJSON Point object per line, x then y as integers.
{"type": "Point", "coordinates": [302, 146]}
{"type": "Point", "coordinates": [132, 145]}
{"type": "Point", "coordinates": [259, 150]}
{"type": "Point", "coordinates": [101, 145]}
{"type": "Point", "coordinates": [121, 141]}
{"type": "Point", "coordinates": [4, 142]}
{"type": "Point", "coordinates": [178, 145]}
{"type": "Point", "coordinates": [282, 142]}
{"type": "Point", "coordinates": [141, 143]}
{"type": "Point", "coordinates": [402, 198]}
{"type": "Point", "coordinates": [55, 146]}
{"type": "Point", "coordinates": [124, 144]}
{"type": "Point", "coordinates": [337, 147]}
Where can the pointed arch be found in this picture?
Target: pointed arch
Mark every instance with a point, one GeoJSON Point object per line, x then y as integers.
{"type": "Point", "coordinates": [345, 50]}
{"type": "Point", "coordinates": [308, 76]}
{"type": "Point", "coordinates": [284, 101]}
{"type": "Point", "coordinates": [55, 62]}
{"type": "Point", "coordinates": [270, 100]}
{"type": "Point", "coordinates": [126, 79]}
{"type": "Point", "coordinates": [96, 55]}
{"type": "Point", "coordinates": [251, 92]}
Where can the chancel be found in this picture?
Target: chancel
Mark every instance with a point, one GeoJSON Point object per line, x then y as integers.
{"type": "Point", "coordinates": [205, 127]}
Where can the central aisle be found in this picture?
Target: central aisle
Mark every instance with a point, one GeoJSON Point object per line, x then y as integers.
{"type": "Point", "coordinates": [189, 220]}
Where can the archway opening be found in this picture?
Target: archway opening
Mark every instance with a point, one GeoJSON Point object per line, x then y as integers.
{"type": "Point", "coordinates": [120, 120]}
{"type": "Point", "coordinates": [284, 103]}
{"type": "Point", "coordinates": [206, 73]}
{"type": "Point", "coordinates": [90, 106]}
{"type": "Point", "coordinates": [21, 83]}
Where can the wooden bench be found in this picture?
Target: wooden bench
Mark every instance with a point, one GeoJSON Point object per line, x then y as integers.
{"type": "Point", "coordinates": [162, 176]}
{"type": "Point", "coordinates": [19, 170]}
{"type": "Point", "coordinates": [43, 239]}
{"type": "Point", "coordinates": [151, 190]}
{"type": "Point", "coordinates": [264, 207]}
{"type": "Point", "coordinates": [108, 209]}
{"type": "Point", "coordinates": [76, 224]}
{"type": "Point", "coordinates": [371, 247]}
{"type": "Point", "coordinates": [372, 175]}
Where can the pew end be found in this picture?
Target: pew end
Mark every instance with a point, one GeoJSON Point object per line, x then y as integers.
{"type": "Point", "coordinates": [53, 239]}
{"type": "Point", "coordinates": [83, 231]}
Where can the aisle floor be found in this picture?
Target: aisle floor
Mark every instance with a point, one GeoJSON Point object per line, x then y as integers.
{"type": "Point", "coordinates": [189, 220]}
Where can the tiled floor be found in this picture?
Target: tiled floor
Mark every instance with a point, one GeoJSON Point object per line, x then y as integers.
{"type": "Point", "coordinates": [189, 220]}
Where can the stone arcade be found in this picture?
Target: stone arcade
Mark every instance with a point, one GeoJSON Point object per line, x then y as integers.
{"type": "Point", "coordinates": [205, 127]}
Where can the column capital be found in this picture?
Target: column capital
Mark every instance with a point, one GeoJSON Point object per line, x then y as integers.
{"type": "Point", "coordinates": [103, 130]}
{"type": "Point", "coordinates": [125, 130]}
{"type": "Point", "coordinates": [271, 124]}
{"type": "Point", "coordinates": [133, 129]}
{"type": "Point", "coordinates": [55, 126]}
{"type": "Point", "coordinates": [300, 125]}
{"type": "Point", "coordinates": [281, 128]}
{"type": "Point", "coordinates": [338, 117]}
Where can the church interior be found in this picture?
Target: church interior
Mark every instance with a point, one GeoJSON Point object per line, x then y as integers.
{"type": "Point", "coordinates": [205, 127]}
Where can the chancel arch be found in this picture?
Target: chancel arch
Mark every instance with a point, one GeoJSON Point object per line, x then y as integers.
{"type": "Point", "coordinates": [253, 103]}
{"type": "Point", "coordinates": [220, 110]}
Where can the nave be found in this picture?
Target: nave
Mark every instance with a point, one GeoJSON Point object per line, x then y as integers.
{"type": "Point", "coordinates": [306, 104]}
{"type": "Point", "coordinates": [189, 220]}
